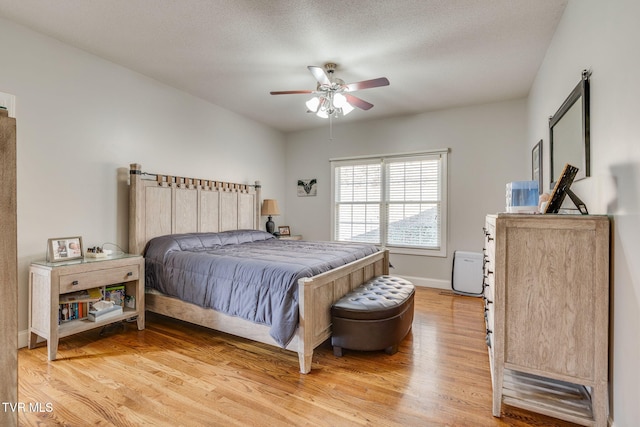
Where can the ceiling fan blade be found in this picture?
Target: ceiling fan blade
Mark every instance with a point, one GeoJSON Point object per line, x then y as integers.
{"type": "Point", "coordinates": [357, 102]}
{"type": "Point", "coordinates": [290, 92]}
{"type": "Point", "coordinates": [320, 75]}
{"type": "Point", "coordinates": [366, 84]}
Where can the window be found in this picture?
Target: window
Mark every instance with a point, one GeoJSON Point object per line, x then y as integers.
{"type": "Point", "coordinates": [397, 202]}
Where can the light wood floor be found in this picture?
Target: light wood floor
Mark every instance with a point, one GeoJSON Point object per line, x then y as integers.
{"type": "Point", "coordinates": [176, 374]}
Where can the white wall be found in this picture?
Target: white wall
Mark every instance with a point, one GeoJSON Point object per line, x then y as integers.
{"type": "Point", "coordinates": [488, 149]}
{"type": "Point", "coordinates": [602, 36]}
{"type": "Point", "coordinates": [82, 120]}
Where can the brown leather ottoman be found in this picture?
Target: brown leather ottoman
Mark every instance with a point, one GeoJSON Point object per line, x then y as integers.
{"type": "Point", "coordinates": [374, 316]}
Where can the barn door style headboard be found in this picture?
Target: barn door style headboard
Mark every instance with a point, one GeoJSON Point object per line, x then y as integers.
{"type": "Point", "coordinates": [166, 204]}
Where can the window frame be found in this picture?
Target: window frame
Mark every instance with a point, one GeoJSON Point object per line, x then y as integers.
{"type": "Point", "coordinates": [384, 202]}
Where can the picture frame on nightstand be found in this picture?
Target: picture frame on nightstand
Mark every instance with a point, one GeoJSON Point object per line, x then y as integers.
{"type": "Point", "coordinates": [284, 230]}
{"type": "Point", "coordinates": [64, 249]}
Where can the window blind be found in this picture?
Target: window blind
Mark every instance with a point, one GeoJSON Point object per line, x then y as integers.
{"type": "Point", "coordinates": [395, 201]}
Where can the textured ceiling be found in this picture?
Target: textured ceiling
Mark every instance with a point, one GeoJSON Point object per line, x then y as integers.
{"type": "Point", "coordinates": [436, 54]}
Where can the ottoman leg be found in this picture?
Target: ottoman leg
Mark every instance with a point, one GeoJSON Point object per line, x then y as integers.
{"type": "Point", "coordinates": [391, 349]}
{"type": "Point", "coordinates": [337, 351]}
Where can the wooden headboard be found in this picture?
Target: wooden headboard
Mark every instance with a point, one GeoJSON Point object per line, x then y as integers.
{"type": "Point", "coordinates": [166, 204]}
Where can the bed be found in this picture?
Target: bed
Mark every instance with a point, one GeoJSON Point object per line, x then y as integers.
{"type": "Point", "coordinates": [168, 205]}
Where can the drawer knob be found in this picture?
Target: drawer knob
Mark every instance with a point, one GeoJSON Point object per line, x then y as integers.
{"type": "Point", "coordinates": [129, 274]}
{"type": "Point", "coordinates": [75, 283]}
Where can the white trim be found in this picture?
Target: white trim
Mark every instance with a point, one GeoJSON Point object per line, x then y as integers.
{"type": "Point", "coordinates": [23, 338]}
{"type": "Point", "coordinates": [426, 282]}
{"type": "Point", "coordinates": [442, 252]}
{"type": "Point", "coordinates": [391, 156]}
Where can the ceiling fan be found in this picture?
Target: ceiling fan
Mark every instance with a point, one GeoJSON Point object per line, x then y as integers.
{"type": "Point", "coordinates": [333, 96]}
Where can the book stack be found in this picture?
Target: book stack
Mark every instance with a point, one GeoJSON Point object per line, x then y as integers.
{"type": "Point", "coordinates": [103, 310]}
{"type": "Point", "coordinates": [76, 305]}
{"type": "Point", "coordinates": [72, 311]}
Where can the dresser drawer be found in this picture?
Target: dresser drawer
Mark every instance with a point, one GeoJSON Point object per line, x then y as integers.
{"type": "Point", "coordinates": [94, 279]}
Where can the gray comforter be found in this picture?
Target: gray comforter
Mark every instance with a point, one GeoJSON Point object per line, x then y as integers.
{"type": "Point", "coordinates": [244, 273]}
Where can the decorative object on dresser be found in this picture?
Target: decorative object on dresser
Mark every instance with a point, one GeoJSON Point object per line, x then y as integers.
{"type": "Point", "coordinates": [269, 209]}
{"type": "Point", "coordinates": [547, 314]}
{"type": "Point", "coordinates": [164, 205]}
{"type": "Point", "coordinates": [562, 189]}
{"type": "Point", "coordinates": [8, 267]}
{"type": "Point", "coordinates": [51, 284]}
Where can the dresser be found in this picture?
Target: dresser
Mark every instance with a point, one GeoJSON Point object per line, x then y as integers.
{"type": "Point", "coordinates": [8, 270]}
{"type": "Point", "coordinates": [546, 293]}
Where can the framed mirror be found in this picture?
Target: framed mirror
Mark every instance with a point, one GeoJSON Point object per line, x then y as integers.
{"type": "Point", "coordinates": [569, 133]}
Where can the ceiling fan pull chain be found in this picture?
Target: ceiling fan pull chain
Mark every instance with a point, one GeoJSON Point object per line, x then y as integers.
{"type": "Point", "coordinates": [331, 127]}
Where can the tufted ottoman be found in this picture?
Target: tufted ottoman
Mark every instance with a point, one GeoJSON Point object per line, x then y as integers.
{"type": "Point", "coordinates": [376, 315]}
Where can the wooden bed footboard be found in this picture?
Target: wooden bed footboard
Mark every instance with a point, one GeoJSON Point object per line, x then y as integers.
{"type": "Point", "coordinates": [317, 294]}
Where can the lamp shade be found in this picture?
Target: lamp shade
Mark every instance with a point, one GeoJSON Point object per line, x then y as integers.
{"type": "Point", "coordinates": [270, 207]}
{"type": "Point", "coordinates": [313, 104]}
{"type": "Point", "coordinates": [339, 100]}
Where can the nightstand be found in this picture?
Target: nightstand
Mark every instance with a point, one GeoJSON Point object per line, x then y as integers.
{"type": "Point", "coordinates": [48, 281]}
{"type": "Point", "coordinates": [292, 237]}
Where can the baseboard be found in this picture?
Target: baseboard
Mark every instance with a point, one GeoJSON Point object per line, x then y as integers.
{"type": "Point", "coordinates": [23, 338]}
{"type": "Point", "coordinates": [427, 283]}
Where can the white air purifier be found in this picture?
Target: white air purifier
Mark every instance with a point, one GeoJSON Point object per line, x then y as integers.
{"type": "Point", "coordinates": [466, 276]}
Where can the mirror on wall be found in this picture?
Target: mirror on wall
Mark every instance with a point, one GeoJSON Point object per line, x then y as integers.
{"type": "Point", "coordinates": [569, 132]}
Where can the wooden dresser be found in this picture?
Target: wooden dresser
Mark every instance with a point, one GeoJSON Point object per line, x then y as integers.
{"type": "Point", "coordinates": [546, 297]}
{"type": "Point", "coordinates": [8, 270]}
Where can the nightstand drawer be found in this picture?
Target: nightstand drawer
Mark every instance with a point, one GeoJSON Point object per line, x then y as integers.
{"type": "Point", "coordinates": [94, 279]}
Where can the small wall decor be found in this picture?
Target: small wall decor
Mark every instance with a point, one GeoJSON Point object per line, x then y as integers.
{"type": "Point", "coordinates": [307, 187]}
{"type": "Point", "coordinates": [64, 249]}
{"type": "Point", "coordinates": [536, 165]}
{"type": "Point", "coordinates": [284, 230]}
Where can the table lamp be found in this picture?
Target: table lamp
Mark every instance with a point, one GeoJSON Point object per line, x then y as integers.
{"type": "Point", "coordinates": [269, 208]}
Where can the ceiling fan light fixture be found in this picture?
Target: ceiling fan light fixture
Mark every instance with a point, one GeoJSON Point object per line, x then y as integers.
{"type": "Point", "coordinates": [346, 108]}
{"type": "Point", "coordinates": [339, 100]}
{"type": "Point", "coordinates": [332, 96]}
{"type": "Point", "coordinates": [313, 104]}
